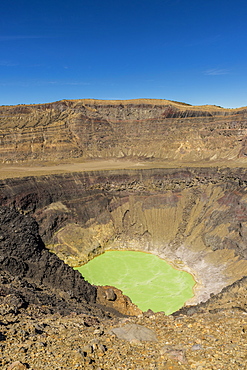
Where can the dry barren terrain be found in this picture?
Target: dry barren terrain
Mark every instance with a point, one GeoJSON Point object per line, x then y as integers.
{"type": "Point", "coordinates": [83, 176]}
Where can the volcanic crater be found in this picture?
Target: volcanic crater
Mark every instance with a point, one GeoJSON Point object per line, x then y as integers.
{"type": "Point", "coordinates": [194, 218]}
{"type": "Point", "coordinates": [156, 176]}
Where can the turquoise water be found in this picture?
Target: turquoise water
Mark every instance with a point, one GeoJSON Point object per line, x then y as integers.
{"type": "Point", "coordinates": [149, 281]}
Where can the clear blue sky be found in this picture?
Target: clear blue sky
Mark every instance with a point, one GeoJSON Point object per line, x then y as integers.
{"type": "Point", "coordinates": [194, 51]}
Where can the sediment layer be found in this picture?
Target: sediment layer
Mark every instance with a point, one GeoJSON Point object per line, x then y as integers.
{"type": "Point", "coordinates": [145, 129]}
{"type": "Point", "coordinates": [194, 218]}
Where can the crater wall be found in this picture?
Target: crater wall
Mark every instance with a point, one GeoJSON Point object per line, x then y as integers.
{"type": "Point", "coordinates": [194, 218]}
{"type": "Point", "coordinates": [145, 129]}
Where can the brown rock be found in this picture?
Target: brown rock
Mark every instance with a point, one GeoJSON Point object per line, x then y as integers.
{"type": "Point", "coordinates": [134, 333]}
{"type": "Point", "coordinates": [177, 354]}
{"type": "Point", "coordinates": [114, 129]}
{"type": "Point", "coordinates": [110, 294]}
{"type": "Point", "coordinates": [17, 365]}
{"type": "Point", "coordinates": [118, 301]}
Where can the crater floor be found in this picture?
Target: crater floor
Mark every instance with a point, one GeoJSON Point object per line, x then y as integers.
{"type": "Point", "coordinates": [150, 282]}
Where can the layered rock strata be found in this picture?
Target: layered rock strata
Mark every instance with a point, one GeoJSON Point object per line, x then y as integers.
{"type": "Point", "coordinates": [194, 218]}
{"type": "Point", "coordinates": [144, 129]}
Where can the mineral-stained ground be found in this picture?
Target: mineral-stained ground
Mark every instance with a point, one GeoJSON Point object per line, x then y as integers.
{"type": "Point", "coordinates": [82, 177]}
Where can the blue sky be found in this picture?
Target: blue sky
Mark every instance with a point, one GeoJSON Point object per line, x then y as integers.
{"type": "Point", "coordinates": [194, 51]}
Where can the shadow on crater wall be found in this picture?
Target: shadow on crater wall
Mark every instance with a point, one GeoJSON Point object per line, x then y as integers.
{"type": "Point", "coordinates": [194, 218]}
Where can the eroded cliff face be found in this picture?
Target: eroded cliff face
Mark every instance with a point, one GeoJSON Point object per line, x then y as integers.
{"type": "Point", "coordinates": [30, 275]}
{"type": "Point", "coordinates": [144, 129]}
{"type": "Point", "coordinates": [24, 256]}
{"type": "Point", "coordinates": [194, 218]}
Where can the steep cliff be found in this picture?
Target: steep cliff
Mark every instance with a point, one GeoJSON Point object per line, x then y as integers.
{"type": "Point", "coordinates": [194, 218]}
{"type": "Point", "coordinates": [31, 275]}
{"type": "Point", "coordinates": [144, 129]}
{"type": "Point", "coordinates": [24, 256]}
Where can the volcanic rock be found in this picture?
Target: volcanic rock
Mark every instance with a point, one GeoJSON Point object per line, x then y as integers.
{"type": "Point", "coordinates": [194, 217]}
{"type": "Point", "coordinates": [186, 202]}
{"type": "Point", "coordinates": [113, 297]}
{"type": "Point", "coordinates": [23, 254]}
{"type": "Point", "coordinates": [147, 129]}
{"type": "Point", "coordinates": [134, 332]}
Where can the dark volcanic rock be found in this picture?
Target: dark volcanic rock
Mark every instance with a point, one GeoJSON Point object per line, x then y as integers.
{"type": "Point", "coordinates": [194, 215]}
{"type": "Point", "coordinates": [23, 255]}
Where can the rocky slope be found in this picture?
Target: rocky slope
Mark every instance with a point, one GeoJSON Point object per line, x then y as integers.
{"type": "Point", "coordinates": [196, 218]}
{"type": "Point", "coordinates": [32, 339]}
{"type": "Point", "coordinates": [44, 327]}
{"type": "Point", "coordinates": [145, 129]}
{"type": "Point", "coordinates": [41, 278]}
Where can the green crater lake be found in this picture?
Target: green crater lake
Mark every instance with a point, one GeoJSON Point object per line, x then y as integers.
{"type": "Point", "coordinates": [149, 281]}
